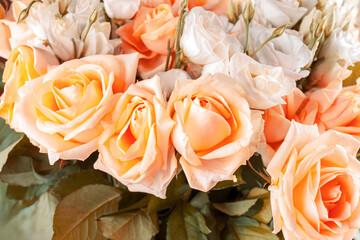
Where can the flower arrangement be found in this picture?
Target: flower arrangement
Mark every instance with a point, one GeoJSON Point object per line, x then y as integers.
{"type": "Point", "coordinates": [179, 119]}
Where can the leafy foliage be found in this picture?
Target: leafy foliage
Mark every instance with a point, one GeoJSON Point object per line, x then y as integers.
{"type": "Point", "coordinates": [75, 216]}
{"type": "Point", "coordinates": [8, 139]}
{"type": "Point", "coordinates": [186, 222]}
{"type": "Point", "coordinates": [130, 225]}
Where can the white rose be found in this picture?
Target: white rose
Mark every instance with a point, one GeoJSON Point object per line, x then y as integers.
{"type": "Point", "coordinates": [121, 9]}
{"type": "Point", "coordinates": [287, 51]}
{"type": "Point", "coordinates": [341, 45]}
{"type": "Point", "coordinates": [278, 12]}
{"type": "Point", "coordinates": [263, 85]}
{"type": "Point", "coordinates": [63, 33]}
{"type": "Point", "coordinates": [97, 40]}
{"type": "Point", "coordinates": [80, 10]}
{"type": "Point", "coordinates": [204, 40]}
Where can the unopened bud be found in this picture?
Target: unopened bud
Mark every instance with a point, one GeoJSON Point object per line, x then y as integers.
{"type": "Point", "coordinates": [321, 4]}
{"type": "Point", "coordinates": [25, 13]}
{"type": "Point", "coordinates": [249, 11]}
{"type": "Point", "coordinates": [331, 22]}
{"type": "Point", "coordinates": [93, 17]}
{"type": "Point", "coordinates": [320, 28]}
{"type": "Point", "coordinates": [280, 30]}
{"type": "Point", "coordinates": [184, 4]}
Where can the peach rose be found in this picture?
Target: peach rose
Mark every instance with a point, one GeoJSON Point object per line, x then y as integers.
{"type": "Point", "coordinates": [344, 114]}
{"type": "Point", "coordinates": [278, 120]}
{"type": "Point", "coordinates": [315, 189]}
{"type": "Point", "coordinates": [13, 34]}
{"type": "Point", "coordinates": [61, 111]}
{"type": "Point", "coordinates": [25, 63]}
{"type": "Point", "coordinates": [155, 3]}
{"type": "Point", "coordinates": [148, 34]}
{"type": "Point", "coordinates": [306, 109]}
{"type": "Point", "coordinates": [136, 147]}
{"type": "Point", "coordinates": [215, 129]}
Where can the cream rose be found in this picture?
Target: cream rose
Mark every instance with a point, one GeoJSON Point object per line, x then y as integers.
{"type": "Point", "coordinates": [215, 129]}
{"type": "Point", "coordinates": [66, 35]}
{"type": "Point", "coordinates": [278, 12]}
{"type": "Point", "coordinates": [136, 148]}
{"type": "Point", "coordinates": [262, 85]}
{"type": "Point", "coordinates": [205, 42]}
{"type": "Point", "coordinates": [120, 9]}
{"type": "Point", "coordinates": [315, 184]}
{"type": "Point", "coordinates": [25, 63]}
{"type": "Point", "coordinates": [61, 111]}
{"type": "Point", "coordinates": [342, 46]}
{"type": "Point", "coordinates": [287, 51]}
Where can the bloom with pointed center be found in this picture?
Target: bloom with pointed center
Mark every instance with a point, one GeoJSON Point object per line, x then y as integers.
{"type": "Point", "coordinates": [136, 147]}
{"type": "Point", "coordinates": [215, 129]}
{"type": "Point", "coordinates": [62, 111]}
{"type": "Point", "coordinates": [25, 63]}
{"type": "Point", "coordinates": [315, 191]}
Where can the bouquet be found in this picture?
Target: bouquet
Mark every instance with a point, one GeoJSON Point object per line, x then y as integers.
{"type": "Point", "coordinates": [179, 119]}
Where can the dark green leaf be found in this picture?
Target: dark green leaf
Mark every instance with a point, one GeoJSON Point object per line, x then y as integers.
{"type": "Point", "coordinates": [129, 226]}
{"type": "Point", "coordinates": [26, 193]}
{"type": "Point", "coordinates": [76, 180]}
{"type": "Point", "coordinates": [75, 216]}
{"type": "Point", "coordinates": [244, 228]}
{"type": "Point", "coordinates": [252, 178]}
{"type": "Point", "coordinates": [8, 139]}
{"type": "Point", "coordinates": [256, 208]}
{"type": "Point", "coordinates": [230, 183]}
{"type": "Point", "coordinates": [200, 200]}
{"type": "Point", "coordinates": [174, 193]}
{"type": "Point", "coordinates": [237, 208]}
{"type": "Point", "coordinates": [216, 223]}
{"type": "Point", "coordinates": [186, 222]}
{"type": "Point", "coordinates": [142, 203]}
{"type": "Point", "coordinates": [264, 215]}
{"type": "Point", "coordinates": [26, 166]}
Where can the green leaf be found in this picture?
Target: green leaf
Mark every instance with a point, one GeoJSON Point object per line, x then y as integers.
{"type": "Point", "coordinates": [256, 208]}
{"type": "Point", "coordinates": [200, 200]}
{"type": "Point", "coordinates": [76, 214]}
{"type": "Point", "coordinates": [76, 180]}
{"type": "Point", "coordinates": [230, 183]}
{"type": "Point", "coordinates": [186, 222]}
{"type": "Point", "coordinates": [130, 226]}
{"type": "Point", "coordinates": [265, 214]}
{"type": "Point", "coordinates": [8, 140]}
{"type": "Point", "coordinates": [354, 75]}
{"type": "Point", "coordinates": [174, 193]}
{"type": "Point", "coordinates": [30, 223]}
{"type": "Point", "coordinates": [26, 193]}
{"type": "Point", "coordinates": [216, 223]}
{"type": "Point", "coordinates": [252, 178]}
{"type": "Point", "coordinates": [244, 228]}
{"type": "Point", "coordinates": [26, 166]}
{"type": "Point", "coordinates": [237, 208]}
